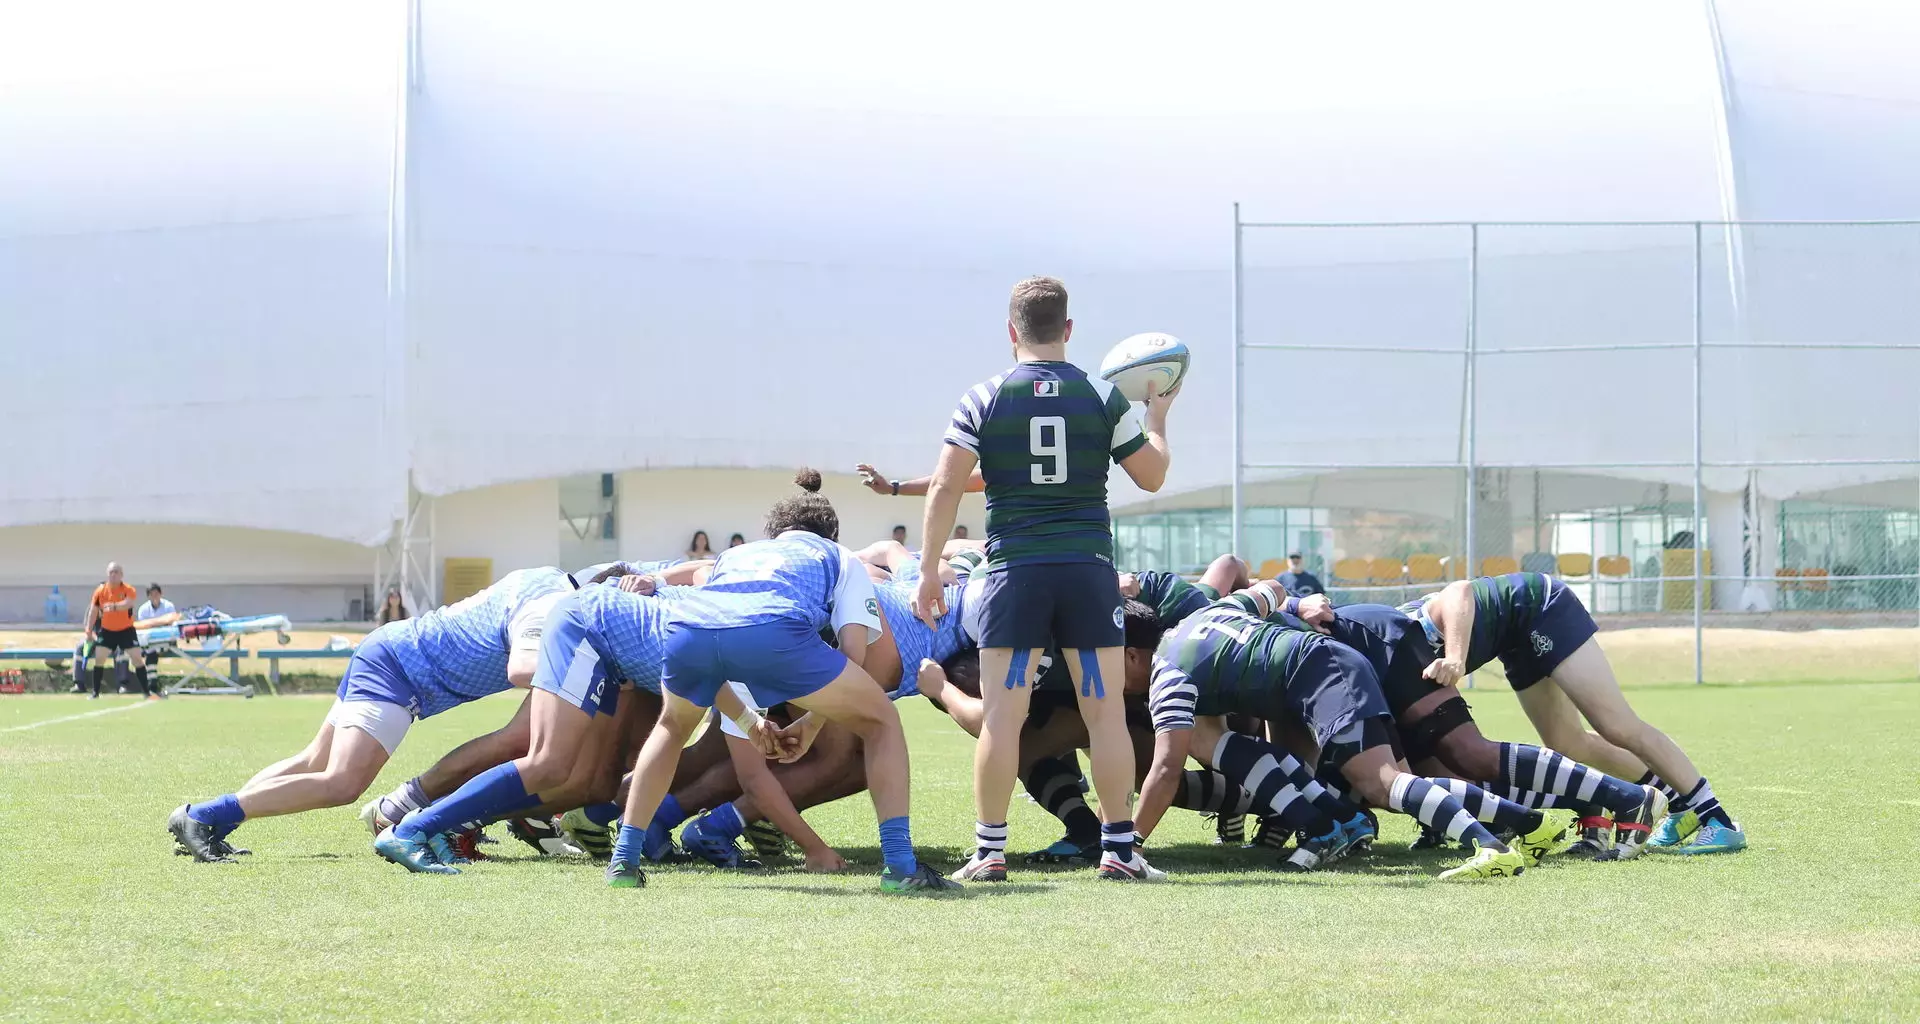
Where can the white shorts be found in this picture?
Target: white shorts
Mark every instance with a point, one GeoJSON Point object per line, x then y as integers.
{"type": "Point", "coordinates": [387, 723]}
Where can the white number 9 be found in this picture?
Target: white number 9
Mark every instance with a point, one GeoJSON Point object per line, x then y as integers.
{"type": "Point", "coordinates": [1047, 439]}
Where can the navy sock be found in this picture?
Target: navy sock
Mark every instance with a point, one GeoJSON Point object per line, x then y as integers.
{"type": "Point", "coordinates": [1057, 785]}
{"type": "Point", "coordinates": [1674, 799]}
{"type": "Point", "coordinates": [494, 793]}
{"type": "Point", "coordinates": [1541, 801]}
{"type": "Point", "coordinates": [896, 845]}
{"type": "Point", "coordinates": [1277, 781]}
{"type": "Point", "coordinates": [629, 845]}
{"type": "Point", "coordinates": [1486, 807]}
{"type": "Point", "coordinates": [1436, 808]}
{"type": "Point", "coordinates": [601, 814]}
{"type": "Point", "coordinates": [1548, 771]}
{"type": "Point", "coordinates": [1701, 801]}
{"type": "Point", "coordinates": [223, 812]}
{"type": "Point", "coordinates": [725, 821]}
{"type": "Point", "coordinates": [1328, 792]}
{"type": "Point", "coordinates": [1117, 838]}
{"type": "Point", "coordinates": [1211, 792]}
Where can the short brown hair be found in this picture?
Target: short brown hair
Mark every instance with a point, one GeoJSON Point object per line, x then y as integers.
{"type": "Point", "coordinates": [1038, 310]}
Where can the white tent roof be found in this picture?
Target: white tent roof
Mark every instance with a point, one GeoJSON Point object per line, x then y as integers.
{"type": "Point", "coordinates": [678, 237]}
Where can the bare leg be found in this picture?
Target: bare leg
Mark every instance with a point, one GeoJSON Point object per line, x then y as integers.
{"type": "Point", "coordinates": [996, 758]}
{"type": "Point", "coordinates": [1587, 680]}
{"type": "Point", "coordinates": [353, 760]}
{"type": "Point", "coordinates": [1558, 722]}
{"type": "Point", "coordinates": [311, 759]}
{"type": "Point", "coordinates": [1110, 748]}
{"type": "Point", "coordinates": [854, 700]}
{"type": "Point", "coordinates": [477, 755]}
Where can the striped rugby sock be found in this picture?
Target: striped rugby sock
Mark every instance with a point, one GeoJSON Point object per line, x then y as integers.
{"type": "Point", "coordinates": [1547, 771]}
{"type": "Point", "coordinates": [1429, 802]}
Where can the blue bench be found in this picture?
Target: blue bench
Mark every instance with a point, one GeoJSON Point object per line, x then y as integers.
{"type": "Point", "coordinates": [37, 654]}
{"type": "Point", "coordinates": [274, 655]}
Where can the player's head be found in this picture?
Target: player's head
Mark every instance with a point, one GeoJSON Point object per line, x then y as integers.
{"type": "Point", "coordinates": [1143, 637]}
{"type": "Point", "coordinates": [963, 670]}
{"type": "Point", "coordinates": [115, 575]}
{"type": "Point", "coordinates": [1037, 313]}
{"type": "Point", "coordinates": [809, 511]}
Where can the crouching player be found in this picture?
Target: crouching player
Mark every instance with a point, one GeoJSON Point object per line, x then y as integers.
{"type": "Point", "coordinates": [1544, 637]}
{"type": "Point", "coordinates": [1230, 658]}
{"type": "Point", "coordinates": [414, 668]}
{"type": "Point", "coordinates": [756, 621]}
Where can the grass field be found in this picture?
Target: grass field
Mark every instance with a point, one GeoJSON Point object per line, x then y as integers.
{"type": "Point", "coordinates": [98, 921]}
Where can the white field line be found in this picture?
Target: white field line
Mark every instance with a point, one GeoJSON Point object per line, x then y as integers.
{"type": "Point", "coordinates": [76, 718]}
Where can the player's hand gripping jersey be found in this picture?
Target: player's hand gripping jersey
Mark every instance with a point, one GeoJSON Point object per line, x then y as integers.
{"type": "Point", "coordinates": [1045, 433]}
{"type": "Point", "coordinates": [912, 637]}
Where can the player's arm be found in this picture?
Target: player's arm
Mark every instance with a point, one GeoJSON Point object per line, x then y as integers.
{"type": "Point", "coordinates": [1452, 611]}
{"type": "Point", "coordinates": [965, 709]}
{"type": "Point", "coordinates": [855, 620]}
{"type": "Point", "coordinates": [912, 488]}
{"type": "Point", "coordinates": [758, 782]}
{"type": "Point", "coordinates": [1170, 750]}
{"type": "Point", "coordinates": [1140, 442]}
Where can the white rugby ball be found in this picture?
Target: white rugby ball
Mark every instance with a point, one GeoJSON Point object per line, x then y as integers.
{"type": "Point", "coordinates": [1145, 364]}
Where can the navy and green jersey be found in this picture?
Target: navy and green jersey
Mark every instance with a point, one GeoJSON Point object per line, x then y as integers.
{"type": "Point", "coordinates": [1171, 596]}
{"type": "Point", "coordinates": [1504, 608]}
{"type": "Point", "coordinates": [1223, 659]}
{"type": "Point", "coordinates": [1045, 434]}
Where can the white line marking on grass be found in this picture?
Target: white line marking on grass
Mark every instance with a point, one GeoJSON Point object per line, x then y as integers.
{"type": "Point", "coordinates": [76, 718]}
{"type": "Point", "coordinates": [1780, 789]}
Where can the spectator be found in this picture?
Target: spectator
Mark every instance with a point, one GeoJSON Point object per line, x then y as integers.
{"type": "Point", "coordinates": [156, 606]}
{"type": "Point", "coordinates": [960, 532]}
{"type": "Point", "coordinates": [736, 541]}
{"type": "Point", "coordinates": [1298, 581]}
{"type": "Point", "coordinates": [394, 608]}
{"type": "Point", "coordinates": [900, 535]}
{"type": "Point", "coordinates": [110, 626]}
{"type": "Point", "coordinates": [699, 550]}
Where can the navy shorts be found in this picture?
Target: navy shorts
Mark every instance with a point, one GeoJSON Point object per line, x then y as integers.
{"type": "Point", "coordinates": [1071, 605]}
{"type": "Point", "coordinates": [778, 661]}
{"type": "Point", "coordinates": [1331, 687]}
{"type": "Point", "coordinates": [571, 667]}
{"type": "Point", "coordinates": [373, 673]}
{"type": "Point", "coordinates": [1562, 626]}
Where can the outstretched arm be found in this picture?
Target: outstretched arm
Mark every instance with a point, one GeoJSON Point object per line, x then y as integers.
{"type": "Point", "coordinates": [915, 487]}
{"type": "Point", "coordinates": [1163, 779]}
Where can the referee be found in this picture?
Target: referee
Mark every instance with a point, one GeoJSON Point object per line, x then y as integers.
{"type": "Point", "coordinates": [110, 627]}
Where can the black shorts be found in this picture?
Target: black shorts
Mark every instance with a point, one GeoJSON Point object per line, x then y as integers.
{"type": "Point", "coordinates": [127, 639]}
{"type": "Point", "coordinates": [1562, 627]}
{"type": "Point", "coordinates": [1331, 687]}
{"type": "Point", "coordinates": [1405, 683]}
{"type": "Point", "coordinates": [1072, 605]}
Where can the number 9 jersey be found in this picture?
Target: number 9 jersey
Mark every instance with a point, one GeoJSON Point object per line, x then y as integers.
{"type": "Point", "coordinates": [1045, 434]}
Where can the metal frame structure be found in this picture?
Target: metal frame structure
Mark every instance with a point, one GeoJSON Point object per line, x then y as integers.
{"type": "Point", "coordinates": [1470, 464]}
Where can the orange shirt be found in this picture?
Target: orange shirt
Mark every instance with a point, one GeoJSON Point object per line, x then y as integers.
{"type": "Point", "coordinates": [117, 618]}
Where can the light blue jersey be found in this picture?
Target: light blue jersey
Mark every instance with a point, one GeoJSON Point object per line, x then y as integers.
{"type": "Point", "coordinates": [912, 637]}
{"type": "Point", "coordinates": [628, 631]}
{"type": "Point", "coordinates": [797, 577]}
{"type": "Point", "coordinates": [633, 568]}
{"type": "Point", "coordinates": [459, 653]}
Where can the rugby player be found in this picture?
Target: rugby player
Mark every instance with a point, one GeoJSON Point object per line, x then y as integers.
{"type": "Point", "coordinates": [1544, 638]}
{"type": "Point", "coordinates": [412, 668]}
{"type": "Point", "coordinates": [1439, 736]}
{"type": "Point", "coordinates": [756, 621]}
{"type": "Point", "coordinates": [1042, 434]}
{"type": "Point", "coordinates": [1231, 657]}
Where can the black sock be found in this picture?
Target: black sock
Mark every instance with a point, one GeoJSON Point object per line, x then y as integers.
{"type": "Point", "coordinates": [98, 674]}
{"type": "Point", "coordinates": [146, 685]}
{"type": "Point", "coordinates": [1057, 785]}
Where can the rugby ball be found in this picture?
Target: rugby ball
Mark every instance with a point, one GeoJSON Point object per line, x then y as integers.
{"type": "Point", "coordinates": [1145, 364]}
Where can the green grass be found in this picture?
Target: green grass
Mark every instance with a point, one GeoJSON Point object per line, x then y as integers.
{"type": "Point", "coordinates": [98, 921]}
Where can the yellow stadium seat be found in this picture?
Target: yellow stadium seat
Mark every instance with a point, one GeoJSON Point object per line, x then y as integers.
{"type": "Point", "coordinates": [1272, 568]}
{"type": "Point", "coordinates": [1616, 566]}
{"type": "Point", "coordinates": [1350, 571]}
{"type": "Point", "coordinates": [1451, 567]}
{"type": "Point", "coordinates": [1816, 578]}
{"type": "Point", "coordinates": [1499, 565]}
{"type": "Point", "coordinates": [1576, 564]}
{"type": "Point", "coordinates": [1425, 569]}
{"type": "Point", "coordinates": [1789, 579]}
{"type": "Point", "coordinates": [1386, 571]}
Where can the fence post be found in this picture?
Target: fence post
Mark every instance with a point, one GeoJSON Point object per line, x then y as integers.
{"type": "Point", "coordinates": [1239, 414]}
{"type": "Point", "coordinates": [1472, 568]}
{"type": "Point", "coordinates": [1699, 675]}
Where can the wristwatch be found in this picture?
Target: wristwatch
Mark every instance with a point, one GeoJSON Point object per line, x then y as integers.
{"type": "Point", "coordinates": [896, 487]}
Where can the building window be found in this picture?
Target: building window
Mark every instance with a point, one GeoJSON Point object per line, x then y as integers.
{"type": "Point", "coordinates": [589, 520]}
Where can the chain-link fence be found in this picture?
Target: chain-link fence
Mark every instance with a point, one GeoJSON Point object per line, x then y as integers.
{"type": "Point", "coordinates": [1701, 426]}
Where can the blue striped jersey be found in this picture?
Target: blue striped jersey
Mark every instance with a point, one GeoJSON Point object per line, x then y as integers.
{"type": "Point", "coordinates": [912, 637]}
{"type": "Point", "coordinates": [1045, 434]}
{"type": "Point", "coordinates": [796, 576]}
{"type": "Point", "coordinates": [458, 653]}
{"type": "Point", "coordinates": [628, 631]}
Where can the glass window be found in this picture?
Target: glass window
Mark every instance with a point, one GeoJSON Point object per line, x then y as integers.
{"type": "Point", "coordinates": [589, 520]}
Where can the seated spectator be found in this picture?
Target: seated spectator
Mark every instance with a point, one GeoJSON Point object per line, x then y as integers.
{"type": "Point", "coordinates": [736, 541]}
{"type": "Point", "coordinates": [960, 532]}
{"type": "Point", "coordinates": [699, 549]}
{"type": "Point", "coordinates": [900, 534]}
{"type": "Point", "coordinates": [156, 605]}
{"type": "Point", "coordinates": [1298, 581]}
{"type": "Point", "coordinates": [394, 608]}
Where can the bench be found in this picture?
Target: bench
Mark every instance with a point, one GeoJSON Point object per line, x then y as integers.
{"type": "Point", "coordinates": [274, 655]}
{"type": "Point", "coordinates": [66, 654]}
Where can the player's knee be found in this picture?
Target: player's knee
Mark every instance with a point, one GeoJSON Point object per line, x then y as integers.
{"type": "Point", "coordinates": [1471, 754]}
{"type": "Point", "coordinates": [341, 787]}
{"type": "Point", "coordinates": [541, 774]}
{"type": "Point", "coordinates": [1622, 730]}
{"type": "Point", "coordinates": [1371, 789]}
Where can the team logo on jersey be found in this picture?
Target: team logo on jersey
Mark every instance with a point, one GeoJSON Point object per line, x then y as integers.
{"type": "Point", "coordinates": [873, 607]}
{"type": "Point", "coordinates": [1120, 616]}
{"type": "Point", "coordinates": [1046, 389]}
{"type": "Point", "coordinates": [1541, 644]}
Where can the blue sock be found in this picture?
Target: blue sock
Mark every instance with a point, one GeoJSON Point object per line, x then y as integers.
{"type": "Point", "coordinates": [601, 814]}
{"type": "Point", "coordinates": [896, 846]}
{"type": "Point", "coordinates": [660, 830]}
{"type": "Point", "coordinates": [223, 812]}
{"type": "Point", "coordinates": [1526, 766]}
{"type": "Point", "coordinates": [723, 821]}
{"type": "Point", "coordinates": [630, 845]}
{"type": "Point", "coordinates": [1116, 837]}
{"type": "Point", "coordinates": [494, 793]}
